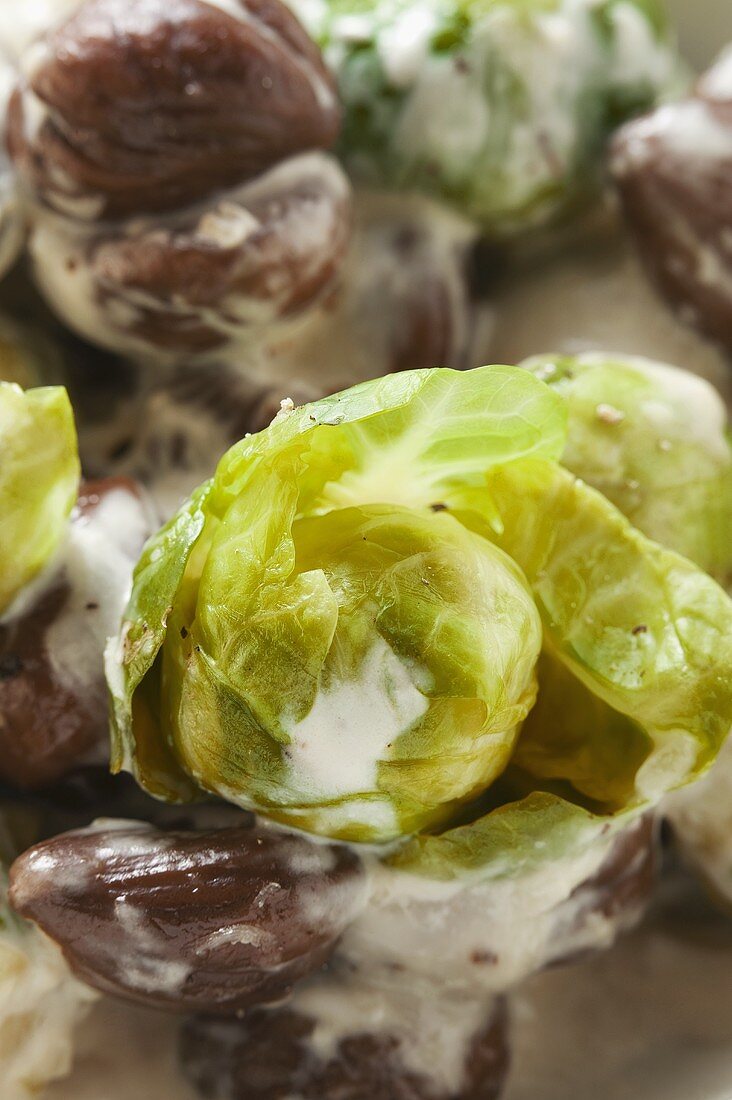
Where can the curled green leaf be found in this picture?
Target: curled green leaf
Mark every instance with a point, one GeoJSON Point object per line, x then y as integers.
{"type": "Point", "coordinates": [39, 477]}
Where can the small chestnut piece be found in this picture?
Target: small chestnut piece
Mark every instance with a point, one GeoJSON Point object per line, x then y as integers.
{"type": "Point", "coordinates": [53, 697]}
{"type": "Point", "coordinates": [268, 1055]}
{"type": "Point", "coordinates": [260, 254]}
{"type": "Point", "coordinates": [623, 885]}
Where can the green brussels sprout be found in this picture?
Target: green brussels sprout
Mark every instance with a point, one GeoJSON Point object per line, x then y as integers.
{"type": "Point", "coordinates": [39, 477]}
{"type": "Point", "coordinates": [655, 441]}
{"type": "Point", "coordinates": [500, 107]}
{"type": "Point", "coordinates": [342, 629]}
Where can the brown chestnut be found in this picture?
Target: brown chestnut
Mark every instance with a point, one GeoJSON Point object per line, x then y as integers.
{"type": "Point", "coordinates": [210, 276]}
{"type": "Point", "coordinates": [210, 921]}
{"type": "Point", "coordinates": [673, 172]}
{"type": "Point", "coordinates": [134, 106]}
{"type": "Point", "coordinates": [53, 699]}
{"type": "Point", "coordinates": [270, 1055]}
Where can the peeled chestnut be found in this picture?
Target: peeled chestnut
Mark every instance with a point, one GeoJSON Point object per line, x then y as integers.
{"type": "Point", "coordinates": [272, 1054]}
{"type": "Point", "coordinates": [173, 157]}
{"type": "Point", "coordinates": [135, 106]}
{"type": "Point", "coordinates": [193, 283]}
{"type": "Point", "coordinates": [210, 921]}
{"type": "Point", "coordinates": [673, 172]}
{"type": "Point", "coordinates": [53, 697]}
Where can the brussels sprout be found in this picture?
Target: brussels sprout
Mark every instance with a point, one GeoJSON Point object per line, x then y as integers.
{"type": "Point", "coordinates": [655, 441]}
{"type": "Point", "coordinates": [354, 668]}
{"type": "Point", "coordinates": [500, 107]}
{"type": "Point", "coordinates": [342, 628]}
{"type": "Point", "coordinates": [39, 476]}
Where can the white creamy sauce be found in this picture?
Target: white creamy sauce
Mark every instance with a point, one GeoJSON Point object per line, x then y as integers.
{"type": "Point", "coordinates": [125, 1053]}
{"type": "Point", "coordinates": [57, 252]}
{"type": "Point", "coordinates": [21, 23]}
{"type": "Point", "coordinates": [139, 953]}
{"type": "Point", "coordinates": [403, 46]}
{"type": "Point", "coordinates": [594, 296]}
{"type": "Point", "coordinates": [356, 335]}
{"type": "Point", "coordinates": [434, 1032]}
{"type": "Point", "coordinates": [473, 936]}
{"type": "Point", "coordinates": [687, 129]}
{"type": "Point", "coordinates": [101, 550]}
{"type": "Point", "coordinates": [40, 1007]}
{"type": "Point", "coordinates": [651, 1019]}
{"type": "Point", "coordinates": [336, 749]}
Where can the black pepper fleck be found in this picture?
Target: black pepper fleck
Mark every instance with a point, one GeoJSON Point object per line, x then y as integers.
{"type": "Point", "coordinates": [484, 958]}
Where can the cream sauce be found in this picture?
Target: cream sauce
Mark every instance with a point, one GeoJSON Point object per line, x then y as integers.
{"type": "Point", "coordinates": [101, 550]}
{"type": "Point", "coordinates": [651, 1019]}
{"type": "Point", "coordinates": [469, 937]}
{"type": "Point", "coordinates": [21, 23]}
{"type": "Point", "coordinates": [335, 750]}
{"type": "Point", "coordinates": [435, 1032]}
{"type": "Point", "coordinates": [40, 1006]}
{"type": "Point", "coordinates": [594, 296]}
{"type": "Point", "coordinates": [125, 1053]}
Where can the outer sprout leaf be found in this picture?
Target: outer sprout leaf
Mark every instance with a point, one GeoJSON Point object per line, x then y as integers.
{"type": "Point", "coordinates": [136, 722]}
{"type": "Point", "coordinates": [513, 840]}
{"type": "Point", "coordinates": [39, 478]}
{"type": "Point", "coordinates": [653, 439]}
{"type": "Point", "coordinates": [641, 627]}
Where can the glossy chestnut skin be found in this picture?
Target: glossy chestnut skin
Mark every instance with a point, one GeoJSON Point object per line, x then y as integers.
{"type": "Point", "coordinates": [211, 921]}
{"type": "Point", "coordinates": [48, 724]}
{"type": "Point", "coordinates": [148, 106]}
{"type": "Point", "coordinates": [267, 1056]}
{"type": "Point", "coordinates": [673, 173]}
{"type": "Point", "coordinates": [45, 726]}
